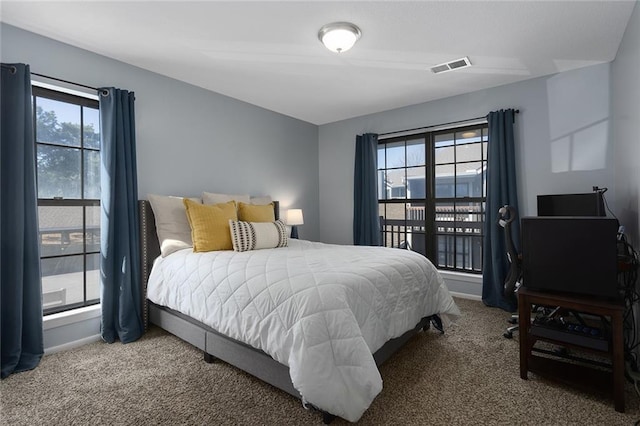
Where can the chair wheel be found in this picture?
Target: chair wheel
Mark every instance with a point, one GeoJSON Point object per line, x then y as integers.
{"type": "Point", "coordinates": [508, 335]}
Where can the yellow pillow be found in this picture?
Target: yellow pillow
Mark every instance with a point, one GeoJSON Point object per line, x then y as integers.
{"type": "Point", "coordinates": [210, 225]}
{"type": "Point", "coordinates": [256, 213]}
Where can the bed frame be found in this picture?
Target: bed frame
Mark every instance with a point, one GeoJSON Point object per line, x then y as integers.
{"type": "Point", "coordinates": [218, 346]}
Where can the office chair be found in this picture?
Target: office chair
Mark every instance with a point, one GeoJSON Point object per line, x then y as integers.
{"type": "Point", "coordinates": [506, 216]}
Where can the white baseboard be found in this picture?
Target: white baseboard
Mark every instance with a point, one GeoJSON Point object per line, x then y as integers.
{"type": "Point", "coordinates": [72, 345]}
{"type": "Point", "coordinates": [466, 296]}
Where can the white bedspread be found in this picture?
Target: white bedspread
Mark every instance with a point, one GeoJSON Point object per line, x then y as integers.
{"type": "Point", "coordinates": [320, 309]}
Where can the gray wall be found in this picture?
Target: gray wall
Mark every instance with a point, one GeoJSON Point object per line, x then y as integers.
{"type": "Point", "coordinates": [626, 127]}
{"type": "Point", "coordinates": [190, 139]}
{"type": "Point", "coordinates": [563, 142]}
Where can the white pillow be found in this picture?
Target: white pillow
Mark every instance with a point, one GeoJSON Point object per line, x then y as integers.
{"type": "Point", "coordinates": [213, 198]}
{"type": "Point", "coordinates": [257, 235]}
{"type": "Point", "coordinates": [261, 200]}
{"type": "Point", "coordinates": [172, 225]}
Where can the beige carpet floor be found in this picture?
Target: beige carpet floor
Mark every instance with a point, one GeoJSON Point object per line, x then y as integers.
{"type": "Point", "coordinates": [469, 376]}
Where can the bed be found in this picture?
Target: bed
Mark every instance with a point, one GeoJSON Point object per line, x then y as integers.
{"type": "Point", "coordinates": [311, 319]}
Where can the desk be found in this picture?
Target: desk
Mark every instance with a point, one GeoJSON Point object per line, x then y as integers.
{"type": "Point", "coordinates": [579, 375]}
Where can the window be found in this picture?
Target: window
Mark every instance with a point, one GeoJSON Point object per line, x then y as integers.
{"type": "Point", "coordinates": [432, 193]}
{"type": "Point", "coordinates": [67, 134]}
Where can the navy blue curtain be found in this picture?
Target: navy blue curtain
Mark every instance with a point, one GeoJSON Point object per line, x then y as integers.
{"type": "Point", "coordinates": [366, 220]}
{"type": "Point", "coordinates": [21, 332]}
{"type": "Point", "coordinates": [120, 249]}
{"type": "Point", "coordinates": [501, 190]}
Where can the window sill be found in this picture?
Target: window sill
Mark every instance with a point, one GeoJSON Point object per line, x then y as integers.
{"type": "Point", "coordinates": [464, 285]}
{"type": "Point", "coordinates": [71, 317]}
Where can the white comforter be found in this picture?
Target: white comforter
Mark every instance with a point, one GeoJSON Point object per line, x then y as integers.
{"type": "Point", "coordinates": [320, 309]}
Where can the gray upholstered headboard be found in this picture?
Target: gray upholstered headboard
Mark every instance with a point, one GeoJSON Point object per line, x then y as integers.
{"type": "Point", "coordinates": [150, 246]}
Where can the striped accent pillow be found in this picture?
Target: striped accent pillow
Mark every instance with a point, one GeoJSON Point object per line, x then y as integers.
{"type": "Point", "coordinates": [257, 235]}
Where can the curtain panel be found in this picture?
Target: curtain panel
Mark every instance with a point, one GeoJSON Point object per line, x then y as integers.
{"type": "Point", "coordinates": [120, 246]}
{"type": "Point", "coordinates": [501, 190]}
{"type": "Point", "coordinates": [366, 219]}
{"type": "Point", "coordinates": [21, 330]}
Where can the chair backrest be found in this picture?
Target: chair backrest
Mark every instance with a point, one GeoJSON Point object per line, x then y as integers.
{"type": "Point", "coordinates": [506, 216]}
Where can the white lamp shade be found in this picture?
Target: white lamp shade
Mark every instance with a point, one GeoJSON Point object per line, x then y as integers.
{"type": "Point", "coordinates": [294, 217]}
{"type": "Point", "coordinates": [339, 36]}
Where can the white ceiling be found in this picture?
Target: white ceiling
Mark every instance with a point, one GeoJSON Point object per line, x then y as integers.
{"type": "Point", "coordinates": [267, 52]}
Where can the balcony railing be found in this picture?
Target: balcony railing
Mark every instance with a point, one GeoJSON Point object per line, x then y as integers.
{"type": "Point", "coordinates": [458, 236]}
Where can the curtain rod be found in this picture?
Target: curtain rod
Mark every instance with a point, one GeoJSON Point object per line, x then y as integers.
{"type": "Point", "coordinates": [13, 70]}
{"type": "Point", "coordinates": [65, 81]}
{"type": "Point", "coordinates": [517, 111]}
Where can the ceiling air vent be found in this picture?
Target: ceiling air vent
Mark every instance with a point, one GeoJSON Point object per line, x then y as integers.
{"type": "Point", "coordinates": [453, 65]}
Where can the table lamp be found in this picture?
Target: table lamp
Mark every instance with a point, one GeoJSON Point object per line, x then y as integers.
{"type": "Point", "coordinates": [293, 218]}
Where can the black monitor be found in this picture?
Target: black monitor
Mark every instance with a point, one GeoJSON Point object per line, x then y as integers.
{"type": "Point", "coordinates": [571, 254]}
{"type": "Point", "coordinates": [588, 204]}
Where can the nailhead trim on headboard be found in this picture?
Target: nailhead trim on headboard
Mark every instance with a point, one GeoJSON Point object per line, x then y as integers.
{"type": "Point", "coordinates": [143, 205]}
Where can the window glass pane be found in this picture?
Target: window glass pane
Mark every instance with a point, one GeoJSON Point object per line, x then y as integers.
{"type": "Point", "coordinates": [476, 254]}
{"type": "Point", "coordinates": [416, 182]}
{"type": "Point", "coordinates": [469, 179]}
{"type": "Point", "coordinates": [387, 239]}
{"type": "Point", "coordinates": [468, 152]}
{"type": "Point", "coordinates": [92, 175]}
{"type": "Point", "coordinates": [396, 211]}
{"type": "Point", "coordinates": [60, 230]}
{"type": "Point", "coordinates": [445, 251]}
{"type": "Point", "coordinates": [415, 153]}
{"type": "Point", "coordinates": [91, 127]}
{"type": "Point", "coordinates": [468, 136]}
{"type": "Point", "coordinates": [444, 139]}
{"type": "Point", "coordinates": [381, 160]}
{"type": "Point", "coordinates": [469, 253]}
{"type": "Point", "coordinates": [57, 122]}
{"type": "Point", "coordinates": [469, 218]}
{"type": "Point", "coordinates": [445, 217]}
{"type": "Point", "coordinates": [485, 148]}
{"type": "Point", "coordinates": [393, 225]}
{"type": "Point", "coordinates": [93, 228]}
{"type": "Point", "coordinates": [445, 155]}
{"type": "Point", "coordinates": [396, 185]}
{"type": "Point", "coordinates": [93, 276]}
{"type": "Point", "coordinates": [383, 191]}
{"type": "Point", "coordinates": [445, 181]}
{"type": "Point", "coordinates": [62, 280]}
{"type": "Point", "coordinates": [485, 134]}
{"type": "Point", "coordinates": [395, 155]}
{"type": "Point", "coordinates": [463, 252]}
{"type": "Point", "coordinates": [416, 227]}
{"type": "Point", "coordinates": [416, 215]}
{"type": "Point", "coordinates": [58, 172]}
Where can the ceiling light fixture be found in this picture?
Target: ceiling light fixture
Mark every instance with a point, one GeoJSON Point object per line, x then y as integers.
{"type": "Point", "coordinates": [339, 36]}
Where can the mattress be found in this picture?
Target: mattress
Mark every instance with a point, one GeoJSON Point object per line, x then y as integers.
{"type": "Point", "coordinates": [320, 309]}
